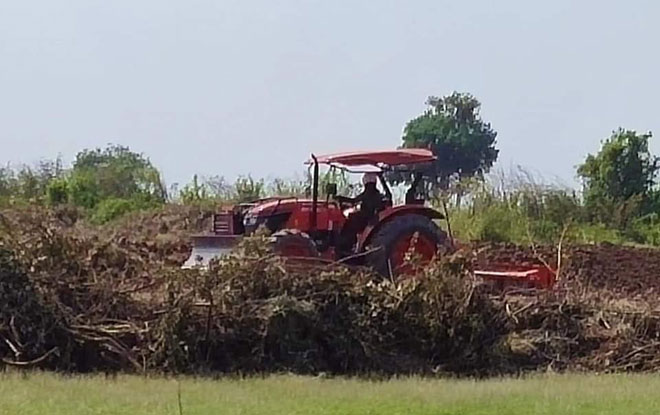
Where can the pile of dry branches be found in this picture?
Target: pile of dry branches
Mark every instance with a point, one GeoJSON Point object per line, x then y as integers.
{"type": "Point", "coordinates": [80, 298]}
{"type": "Point", "coordinates": [108, 306]}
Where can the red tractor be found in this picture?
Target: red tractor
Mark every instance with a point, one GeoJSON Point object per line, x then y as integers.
{"type": "Point", "coordinates": [317, 227]}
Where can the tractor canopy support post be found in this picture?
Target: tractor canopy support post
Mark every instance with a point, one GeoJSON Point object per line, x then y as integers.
{"type": "Point", "coordinates": [386, 187]}
{"type": "Point", "coordinates": [315, 194]}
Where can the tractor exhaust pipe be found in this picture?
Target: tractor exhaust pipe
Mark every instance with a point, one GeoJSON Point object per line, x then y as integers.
{"type": "Point", "coordinates": [315, 194]}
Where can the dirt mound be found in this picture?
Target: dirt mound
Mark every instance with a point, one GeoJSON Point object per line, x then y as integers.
{"type": "Point", "coordinates": [632, 272]}
{"type": "Point", "coordinates": [619, 269]}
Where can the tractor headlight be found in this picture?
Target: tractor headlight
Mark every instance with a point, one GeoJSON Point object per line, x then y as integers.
{"type": "Point", "coordinates": [249, 220]}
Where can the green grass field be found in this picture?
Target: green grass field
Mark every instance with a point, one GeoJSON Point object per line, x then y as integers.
{"type": "Point", "coordinates": [551, 394]}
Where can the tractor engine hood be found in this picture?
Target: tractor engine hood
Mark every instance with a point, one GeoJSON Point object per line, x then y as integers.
{"type": "Point", "coordinates": [272, 214]}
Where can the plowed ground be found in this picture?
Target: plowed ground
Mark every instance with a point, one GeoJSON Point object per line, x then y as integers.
{"type": "Point", "coordinates": [621, 270]}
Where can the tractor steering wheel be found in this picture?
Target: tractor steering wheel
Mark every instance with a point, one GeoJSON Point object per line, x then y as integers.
{"type": "Point", "coordinates": [343, 203]}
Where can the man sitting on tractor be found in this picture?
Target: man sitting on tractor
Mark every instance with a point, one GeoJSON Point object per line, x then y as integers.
{"type": "Point", "coordinates": [371, 202]}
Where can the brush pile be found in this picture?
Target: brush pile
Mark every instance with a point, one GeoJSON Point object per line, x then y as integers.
{"type": "Point", "coordinates": [79, 298]}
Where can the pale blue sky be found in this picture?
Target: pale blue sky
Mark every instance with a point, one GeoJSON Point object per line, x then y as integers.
{"type": "Point", "coordinates": [237, 87]}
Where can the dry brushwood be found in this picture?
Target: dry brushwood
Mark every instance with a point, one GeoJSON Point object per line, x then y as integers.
{"type": "Point", "coordinates": [76, 297]}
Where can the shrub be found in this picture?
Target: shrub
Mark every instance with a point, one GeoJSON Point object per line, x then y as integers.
{"type": "Point", "coordinates": [499, 224]}
{"type": "Point", "coordinates": [111, 209]}
{"type": "Point", "coordinates": [83, 191]}
{"type": "Point", "coordinates": [58, 191]}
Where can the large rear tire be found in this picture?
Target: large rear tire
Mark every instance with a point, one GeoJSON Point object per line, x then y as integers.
{"type": "Point", "coordinates": [401, 236]}
{"type": "Point", "coordinates": [293, 243]}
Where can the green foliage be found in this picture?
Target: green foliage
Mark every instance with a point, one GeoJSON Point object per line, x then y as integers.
{"type": "Point", "coordinates": [114, 172]}
{"type": "Point", "coordinates": [215, 190]}
{"type": "Point", "coordinates": [110, 209]}
{"type": "Point", "coordinates": [194, 192]}
{"type": "Point", "coordinates": [248, 189]}
{"type": "Point", "coordinates": [619, 180]}
{"type": "Point", "coordinates": [293, 188]}
{"type": "Point", "coordinates": [594, 233]}
{"type": "Point", "coordinates": [495, 222]}
{"type": "Point", "coordinates": [500, 222]}
{"type": "Point", "coordinates": [338, 177]}
{"type": "Point", "coordinates": [645, 230]}
{"type": "Point", "coordinates": [108, 182]}
{"type": "Point", "coordinates": [620, 201]}
{"type": "Point", "coordinates": [83, 190]}
{"type": "Point", "coordinates": [207, 192]}
{"type": "Point", "coordinates": [28, 184]}
{"type": "Point", "coordinates": [517, 209]}
{"type": "Point", "coordinates": [453, 129]}
{"type": "Point", "coordinates": [557, 206]}
{"type": "Point", "coordinates": [57, 192]}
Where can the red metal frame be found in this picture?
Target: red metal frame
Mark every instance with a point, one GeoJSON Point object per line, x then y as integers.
{"type": "Point", "coordinates": [328, 216]}
{"type": "Point", "coordinates": [378, 158]}
{"type": "Point", "coordinates": [528, 276]}
{"type": "Point", "coordinates": [223, 223]}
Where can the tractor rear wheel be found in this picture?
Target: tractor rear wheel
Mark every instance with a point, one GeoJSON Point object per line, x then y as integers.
{"type": "Point", "coordinates": [402, 237]}
{"type": "Point", "coordinates": [293, 243]}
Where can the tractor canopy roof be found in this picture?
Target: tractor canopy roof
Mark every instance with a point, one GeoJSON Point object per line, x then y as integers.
{"type": "Point", "coordinates": [381, 160]}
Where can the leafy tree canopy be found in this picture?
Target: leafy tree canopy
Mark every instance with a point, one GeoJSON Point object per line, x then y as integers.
{"type": "Point", "coordinates": [622, 173]}
{"type": "Point", "coordinates": [114, 173]}
{"type": "Point", "coordinates": [453, 129]}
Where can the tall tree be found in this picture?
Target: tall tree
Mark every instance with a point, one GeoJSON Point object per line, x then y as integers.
{"type": "Point", "coordinates": [114, 173]}
{"type": "Point", "coordinates": [620, 176]}
{"type": "Point", "coordinates": [453, 129]}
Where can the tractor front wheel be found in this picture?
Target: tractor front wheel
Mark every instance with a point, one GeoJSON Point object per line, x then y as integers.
{"type": "Point", "coordinates": [403, 239]}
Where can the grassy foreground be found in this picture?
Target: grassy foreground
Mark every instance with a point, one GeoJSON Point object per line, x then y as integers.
{"type": "Point", "coordinates": [561, 394]}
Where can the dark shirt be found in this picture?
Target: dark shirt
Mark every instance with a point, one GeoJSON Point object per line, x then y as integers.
{"type": "Point", "coordinates": [370, 199]}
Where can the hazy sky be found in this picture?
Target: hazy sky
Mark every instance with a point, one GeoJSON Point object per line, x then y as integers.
{"type": "Point", "coordinates": [233, 87]}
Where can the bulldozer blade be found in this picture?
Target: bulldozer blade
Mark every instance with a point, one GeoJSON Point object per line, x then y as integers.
{"type": "Point", "coordinates": [207, 247]}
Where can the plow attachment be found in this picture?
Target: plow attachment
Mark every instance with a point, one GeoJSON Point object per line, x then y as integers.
{"type": "Point", "coordinates": [206, 247]}
{"type": "Point", "coordinates": [505, 275]}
